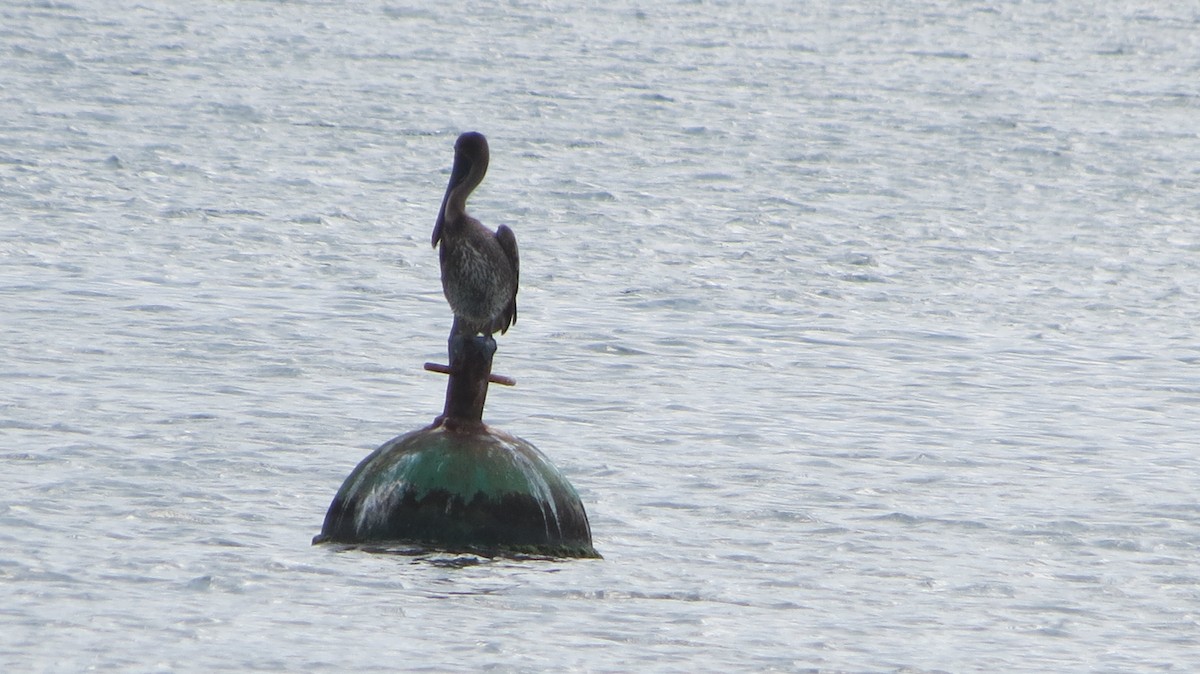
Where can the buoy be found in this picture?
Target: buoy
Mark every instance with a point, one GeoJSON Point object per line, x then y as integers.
{"type": "Point", "coordinates": [458, 484]}
{"type": "Point", "coordinates": [472, 491]}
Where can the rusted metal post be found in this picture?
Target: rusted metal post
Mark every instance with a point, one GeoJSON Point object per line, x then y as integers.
{"type": "Point", "coordinates": [466, 392]}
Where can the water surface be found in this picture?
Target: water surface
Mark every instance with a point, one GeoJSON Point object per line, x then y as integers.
{"type": "Point", "coordinates": [865, 331]}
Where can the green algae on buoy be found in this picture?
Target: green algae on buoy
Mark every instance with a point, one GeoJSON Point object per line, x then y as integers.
{"type": "Point", "coordinates": [460, 485]}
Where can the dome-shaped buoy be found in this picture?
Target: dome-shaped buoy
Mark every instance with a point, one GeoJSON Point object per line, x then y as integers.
{"type": "Point", "coordinates": [462, 490]}
{"type": "Point", "coordinates": [458, 484]}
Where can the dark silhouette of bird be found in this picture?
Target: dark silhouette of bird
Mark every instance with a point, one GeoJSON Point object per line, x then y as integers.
{"type": "Point", "coordinates": [480, 268]}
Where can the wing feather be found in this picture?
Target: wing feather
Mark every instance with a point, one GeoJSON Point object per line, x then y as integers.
{"type": "Point", "coordinates": [508, 243]}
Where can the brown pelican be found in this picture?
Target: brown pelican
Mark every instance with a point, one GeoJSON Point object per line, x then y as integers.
{"type": "Point", "coordinates": [479, 267]}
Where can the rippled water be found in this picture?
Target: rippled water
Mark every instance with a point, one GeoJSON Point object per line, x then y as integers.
{"type": "Point", "coordinates": [866, 331]}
